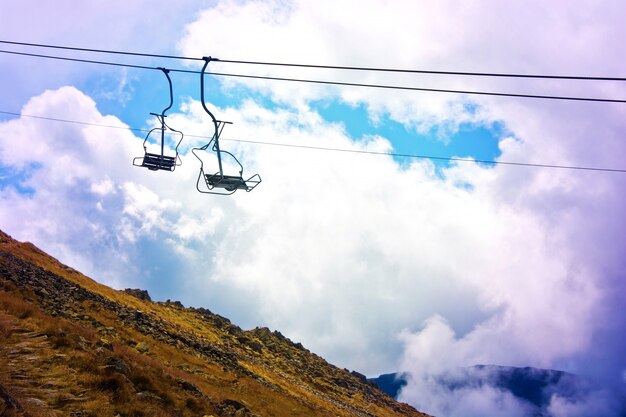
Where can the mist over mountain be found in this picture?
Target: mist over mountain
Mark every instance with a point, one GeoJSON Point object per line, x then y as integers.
{"type": "Point", "coordinates": [541, 392]}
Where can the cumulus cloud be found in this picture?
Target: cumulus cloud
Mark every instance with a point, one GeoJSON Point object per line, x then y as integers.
{"type": "Point", "coordinates": [486, 36]}
{"type": "Point", "coordinates": [89, 205]}
{"type": "Point", "coordinates": [298, 32]}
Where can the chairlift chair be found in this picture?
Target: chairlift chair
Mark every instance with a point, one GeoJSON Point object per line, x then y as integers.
{"type": "Point", "coordinates": [219, 182]}
{"type": "Point", "coordinates": [161, 161]}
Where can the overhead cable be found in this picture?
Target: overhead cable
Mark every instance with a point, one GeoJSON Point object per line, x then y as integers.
{"type": "Point", "coordinates": [338, 83]}
{"type": "Point", "coordinates": [430, 90]}
{"type": "Point", "coordinates": [356, 151]}
{"type": "Point", "coordinates": [89, 61]}
{"type": "Point", "coordinates": [430, 72]}
{"type": "Point", "coordinates": [334, 67]}
{"type": "Point", "coordinates": [104, 51]}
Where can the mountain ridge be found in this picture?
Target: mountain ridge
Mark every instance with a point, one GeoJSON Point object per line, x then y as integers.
{"type": "Point", "coordinates": [72, 346]}
{"type": "Point", "coordinates": [534, 387]}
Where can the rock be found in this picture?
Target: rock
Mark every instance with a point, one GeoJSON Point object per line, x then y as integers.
{"type": "Point", "coordinates": [116, 364]}
{"type": "Point", "coordinates": [256, 346]}
{"type": "Point", "coordinates": [142, 347]}
{"type": "Point", "coordinates": [36, 402]}
{"type": "Point", "coordinates": [234, 408]}
{"type": "Point", "coordinates": [104, 343]}
{"type": "Point", "coordinates": [175, 304]}
{"type": "Point", "coordinates": [359, 375]}
{"type": "Point", "coordinates": [148, 396]}
{"type": "Point", "coordinates": [188, 386]}
{"type": "Point", "coordinates": [138, 293]}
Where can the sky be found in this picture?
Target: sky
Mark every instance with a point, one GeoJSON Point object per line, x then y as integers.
{"type": "Point", "coordinates": [378, 263]}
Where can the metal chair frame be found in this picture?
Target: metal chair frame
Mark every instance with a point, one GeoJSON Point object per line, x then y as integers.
{"type": "Point", "coordinates": [155, 161]}
{"type": "Point", "coordinates": [214, 183]}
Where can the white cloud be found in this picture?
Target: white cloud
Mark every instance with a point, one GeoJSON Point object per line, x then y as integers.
{"type": "Point", "coordinates": [104, 187]}
{"type": "Point", "coordinates": [595, 402]}
{"type": "Point", "coordinates": [89, 206]}
{"type": "Point", "coordinates": [487, 36]}
{"type": "Point", "coordinates": [300, 32]}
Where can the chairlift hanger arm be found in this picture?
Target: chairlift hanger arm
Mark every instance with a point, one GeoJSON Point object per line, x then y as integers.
{"type": "Point", "coordinates": [182, 135]}
{"type": "Point", "coordinates": [206, 63]}
{"type": "Point", "coordinates": [169, 81]}
{"type": "Point", "coordinates": [216, 137]}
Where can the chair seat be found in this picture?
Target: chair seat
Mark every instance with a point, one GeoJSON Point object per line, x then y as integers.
{"type": "Point", "coordinates": [228, 182]}
{"type": "Point", "coordinates": [155, 162]}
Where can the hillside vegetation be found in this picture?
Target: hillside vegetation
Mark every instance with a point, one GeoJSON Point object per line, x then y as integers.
{"type": "Point", "coordinates": [72, 347]}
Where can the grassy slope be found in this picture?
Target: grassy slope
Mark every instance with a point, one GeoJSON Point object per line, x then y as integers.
{"type": "Point", "coordinates": [79, 348]}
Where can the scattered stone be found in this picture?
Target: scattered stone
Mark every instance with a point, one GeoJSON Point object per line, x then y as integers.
{"type": "Point", "coordinates": [176, 304]}
{"type": "Point", "coordinates": [104, 343]}
{"type": "Point", "coordinates": [148, 396]}
{"type": "Point", "coordinates": [359, 375]}
{"type": "Point", "coordinates": [82, 413]}
{"type": "Point", "coordinates": [188, 386]}
{"type": "Point", "coordinates": [36, 402]}
{"type": "Point", "coordinates": [138, 293]}
{"type": "Point", "coordinates": [233, 408]}
{"type": "Point", "coordinates": [142, 347]}
{"type": "Point", "coordinates": [256, 346]}
{"type": "Point", "coordinates": [116, 364]}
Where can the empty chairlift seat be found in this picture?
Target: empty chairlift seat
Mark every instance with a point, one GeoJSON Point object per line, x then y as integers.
{"type": "Point", "coordinates": [219, 182]}
{"type": "Point", "coordinates": [161, 161]}
{"type": "Point", "coordinates": [155, 162]}
{"type": "Point", "coordinates": [231, 182]}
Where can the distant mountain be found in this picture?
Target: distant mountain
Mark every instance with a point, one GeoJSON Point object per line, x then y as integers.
{"type": "Point", "coordinates": [533, 385]}
{"type": "Point", "coordinates": [72, 347]}
{"type": "Point", "coordinates": [390, 384]}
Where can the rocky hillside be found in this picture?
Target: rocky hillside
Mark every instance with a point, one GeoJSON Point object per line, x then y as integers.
{"type": "Point", "coordinates": [72, 347]}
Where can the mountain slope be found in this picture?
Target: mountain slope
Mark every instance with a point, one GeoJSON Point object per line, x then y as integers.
{"type": "Point", "coordinates": [72, 347]}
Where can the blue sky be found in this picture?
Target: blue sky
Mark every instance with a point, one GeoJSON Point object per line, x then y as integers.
{"type": "Point", "coordinates": [377, 263]}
